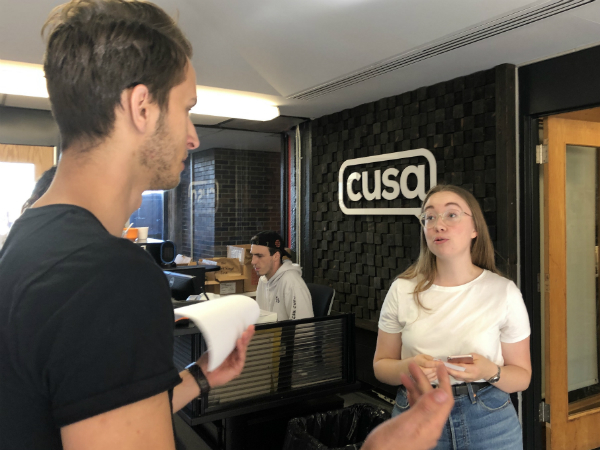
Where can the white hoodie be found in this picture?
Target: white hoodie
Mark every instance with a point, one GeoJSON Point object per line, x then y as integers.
{"type": "Point", "coordinates": [285, 293]}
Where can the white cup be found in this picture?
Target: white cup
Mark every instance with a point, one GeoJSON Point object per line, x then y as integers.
{"type": "Point", "coordinates": [142, 233]}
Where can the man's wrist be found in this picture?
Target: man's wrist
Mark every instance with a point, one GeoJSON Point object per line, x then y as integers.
{"type": "Point", "coordinates": [198, 375]}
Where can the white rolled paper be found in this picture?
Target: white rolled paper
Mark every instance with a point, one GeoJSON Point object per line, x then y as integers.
{"type": "Point", "coordinates": [221, 322]}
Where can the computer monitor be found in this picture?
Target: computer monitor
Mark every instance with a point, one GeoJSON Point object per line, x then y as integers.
{"type": "Point", "coordinates": [183, 285]}
{"type": "Point", "coordinates": [188, 280]}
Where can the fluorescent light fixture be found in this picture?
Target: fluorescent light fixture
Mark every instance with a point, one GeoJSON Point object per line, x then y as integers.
{"type": "Point", "coordinates": [22, 79]}
{"type": "Point", "coordinates": [224, 103]}
{"type": "Point", "coordinates": [28, 80]}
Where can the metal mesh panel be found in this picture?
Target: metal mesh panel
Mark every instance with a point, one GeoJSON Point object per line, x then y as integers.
{"type": "Point", "coordinates": [285, 360]}
{"type": "Point", "coordinates": [182, 352]}
{"type": "Point", "coordinates": [281, 359]}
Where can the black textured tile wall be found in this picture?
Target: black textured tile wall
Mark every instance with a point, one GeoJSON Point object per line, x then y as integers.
{"type": "Point", "coordinates": [361, 255]}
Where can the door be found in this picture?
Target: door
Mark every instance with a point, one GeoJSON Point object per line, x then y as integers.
{"type": "Point", "coordinates": [570, 282]}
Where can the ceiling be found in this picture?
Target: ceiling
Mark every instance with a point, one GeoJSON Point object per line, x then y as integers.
{"type": "Point", "coordinates": [276, 49]}
{"type": "Point", "coordinates": [237, 139]}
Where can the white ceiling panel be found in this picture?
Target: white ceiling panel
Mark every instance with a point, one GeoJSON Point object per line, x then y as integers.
{"type": "Point", "coordinates": [276, 48]}
{"type": "Point", "coordinates": [217, 61]}
{"type": "Point", "coordinates": [553, 36]}
{"type": "Point", "coordinates": [296, 45]}
{"type": "Point", "coordinates": [20, 27]}
{"type": "Point", "coordinates": [589, 12]}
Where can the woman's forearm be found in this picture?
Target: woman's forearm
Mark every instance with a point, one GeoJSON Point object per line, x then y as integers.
{"type": "Point", "coordinates": [513, 379]}
{"type": "Point", "coordinates": [388, 371]}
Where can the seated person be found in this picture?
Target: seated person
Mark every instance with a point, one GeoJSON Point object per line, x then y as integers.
{"type": "Point", "coordinates": [281, 288]}
{"type": "Point", "coordinates": [40, 188]}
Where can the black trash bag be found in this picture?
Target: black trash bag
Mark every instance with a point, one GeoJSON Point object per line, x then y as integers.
{"type": "Point", "coordinates": [343, 429]}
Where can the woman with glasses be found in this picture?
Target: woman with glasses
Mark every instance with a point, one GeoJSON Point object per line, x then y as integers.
{"type": "Point", "coordinates": [453, 301]}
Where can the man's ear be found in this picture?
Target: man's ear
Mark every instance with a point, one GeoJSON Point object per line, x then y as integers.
{"type": "Point", "coordinates": [142, 109]}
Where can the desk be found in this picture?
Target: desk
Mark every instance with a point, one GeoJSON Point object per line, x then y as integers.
{"type": "Point", "coordinates": [288, 363]}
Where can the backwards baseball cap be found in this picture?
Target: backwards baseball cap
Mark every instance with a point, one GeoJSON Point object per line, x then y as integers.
{"type": "Point", "coordinates": [272, 240]}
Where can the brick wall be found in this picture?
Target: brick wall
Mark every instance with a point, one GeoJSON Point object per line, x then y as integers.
{"type": "Point", "coordinates": [182, 207]}
{"type": "Point", "coordinates": [235, 192]}
{"type": "Point", "coordinates": [204, 198]}
{"type": "Point", "coordinates": [249, 196]}
{"type": "Point", "coordinates": [361, 255]}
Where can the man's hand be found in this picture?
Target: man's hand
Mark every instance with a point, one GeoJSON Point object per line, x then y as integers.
{"type": "Point", "coordinates": [232, 366]}
{"type": "Point", "coordinates": [428, 365]}
{"type": "Point", "coordinates": [421, 426]}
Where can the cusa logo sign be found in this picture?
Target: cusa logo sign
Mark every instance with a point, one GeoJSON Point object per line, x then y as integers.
{"type": "Point", "coordinates": [356, 185]}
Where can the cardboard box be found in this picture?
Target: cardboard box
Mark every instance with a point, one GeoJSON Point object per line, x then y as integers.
{"type": "Point", "coordinates": [242, 253]}
{"type": "Point", "coordinates": [211, 286]}
{"type": "Point", "coordinates": [230, 284]}
{"type": "Point", "coordinates": [225, 287]}
{"type": "Point", "coordinates": [250, 278]}
{"type": "Point", "coordinates": [229, 266]}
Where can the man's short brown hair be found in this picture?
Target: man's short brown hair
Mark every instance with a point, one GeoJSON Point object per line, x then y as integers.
{"type": "Point", "coordinates": [97, 49]}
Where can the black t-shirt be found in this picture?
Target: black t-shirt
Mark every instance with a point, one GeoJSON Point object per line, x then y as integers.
{"type": "Point", "coordinates": [86, 325]}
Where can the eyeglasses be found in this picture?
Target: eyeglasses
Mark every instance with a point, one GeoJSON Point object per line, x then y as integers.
{"type": "Point", "coordinates": [449, 217]}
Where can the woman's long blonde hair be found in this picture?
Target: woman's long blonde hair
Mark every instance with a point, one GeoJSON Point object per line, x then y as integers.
{"type": "Point", "coordinates": [482, 250]}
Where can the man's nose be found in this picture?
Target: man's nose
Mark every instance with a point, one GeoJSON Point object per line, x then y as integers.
{"type": "Point", "coordinates": [192, 142]}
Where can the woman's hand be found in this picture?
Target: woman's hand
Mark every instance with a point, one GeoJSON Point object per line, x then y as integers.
{"type": "Point", "coordinates": [428, 366]}
{"type": "Point", "coordinates": [482, 368]}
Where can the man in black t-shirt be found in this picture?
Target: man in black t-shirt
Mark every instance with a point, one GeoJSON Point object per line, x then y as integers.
{"type": "Point", "coordinates": [86, 344]}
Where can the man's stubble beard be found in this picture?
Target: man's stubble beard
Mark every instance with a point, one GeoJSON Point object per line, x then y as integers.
{"type": "Point", "coordinates": [157, 156]}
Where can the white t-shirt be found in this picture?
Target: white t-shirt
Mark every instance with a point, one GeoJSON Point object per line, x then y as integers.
{"type": "Point", "coordinates": [473, 318]}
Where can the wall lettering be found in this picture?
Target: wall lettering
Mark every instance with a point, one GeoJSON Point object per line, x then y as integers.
{"type": "Point", "coordinates": [387, 185]}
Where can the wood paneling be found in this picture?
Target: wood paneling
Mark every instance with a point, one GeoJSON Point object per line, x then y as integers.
{"type": "Point", "coordinates": [587, 115]}
{"type": "Point", "coordinates": [576, 431]}
{"type": "Point", "coordinates": [41, 157]}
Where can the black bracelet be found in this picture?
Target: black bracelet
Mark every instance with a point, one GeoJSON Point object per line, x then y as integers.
{"type": "Point", "coordinates": [195, 370]}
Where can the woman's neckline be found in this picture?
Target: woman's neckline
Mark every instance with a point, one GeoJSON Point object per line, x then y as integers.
{"type": "Point", "coordinates": [460, 286]}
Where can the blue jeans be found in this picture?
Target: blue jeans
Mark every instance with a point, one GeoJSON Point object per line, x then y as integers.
{"type": "Point", "coordinates": [484, 421]}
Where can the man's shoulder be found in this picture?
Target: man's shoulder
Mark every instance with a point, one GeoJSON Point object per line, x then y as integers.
{"type": "Point", "coordinates": [119, 255]}
{"type": "Point", "coordinates": [102, 252]}
{"type": "Point", "coordinates": [292, 277]}
{"type": "Point", "coordinates": [70, 249]}
{"type": "Point", "coordinates": [58, 231]}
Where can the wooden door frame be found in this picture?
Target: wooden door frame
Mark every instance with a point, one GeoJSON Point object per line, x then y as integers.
{"type": "Point", "coordinates": [560, 84]}
{"type": "Point", "coordinates": [29, 154]}
{"type": "Point", "coordinates": [561, 132]}
{"type": "Point", "coordinates": [532, 281]}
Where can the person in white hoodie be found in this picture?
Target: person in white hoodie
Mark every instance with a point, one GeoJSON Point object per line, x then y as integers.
{"type": "Point", "coordinates": [281, 288]}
